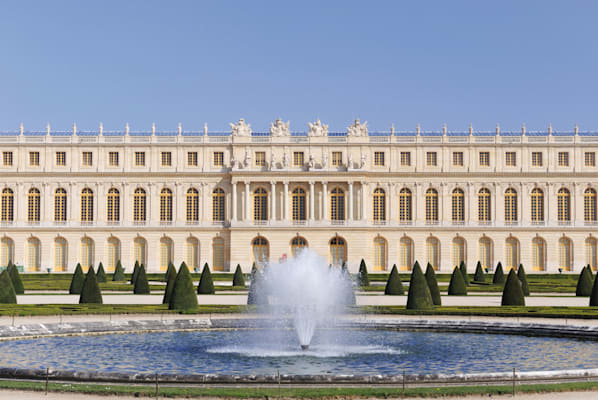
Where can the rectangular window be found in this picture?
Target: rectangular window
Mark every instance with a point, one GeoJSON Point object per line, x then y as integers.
{"type": "Point", "coordinates": [34, 158]}
{"type": "Point", "coordinates": [337, 158]}
{"type": "Point", "coordinates": [166, 159]}
{"type": "Point", "coordinates": [192, 158]}
{"type": "Point", "coordinates": [536, 159]}
{"type": "Point", "coordinates": [457, 158]}
{"type": "Point", "coordinates": [218, 159]}
{"type": "Point", "coordinates": [484, 159]}
{"type": "Point", "coordinates": [140, 158]}
{"type": "Point", "coordinates": [113, 159]}
{"type": "Point", "coordinates": [7, 158]}
{"type": "Point", "coordinates": [60, 158]}
{"type": "Point", "coordinates": [590, 159]}
{"type": "Point", "coordinates": [511, 159]}
{"type": "Point", "coordinates": [260, 158]}
{"type": "Point", "coordinates": [563, 158]}
{"type": "Point", "coordinates": [86, 159]}
{"type": "Point", "coordinates": [379, 158]}
{"type": "Point", "coordinates": [431, 159]}
{"type": "Point", "coordinates": [298, 159]}
{"type": "Point", "coordinates": [405, 158]}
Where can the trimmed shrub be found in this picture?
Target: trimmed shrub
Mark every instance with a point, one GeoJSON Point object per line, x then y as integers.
{"type": "Point", "coordinates": [585, 282]}
{"type": "Point", "coordinates": [238, 279]}
{"type": "Point", "coordinates": [91, 289]}
{"type": "Point", "coordinates": [594, 295]}
{"type": "Point", "coordinates": [17, 284]}
{"type": "Point", "coordinates": [169, 271]}
{"type": "Point", "coordinates": [77, 281]}
{"type": "Point", "coordinates": [363, 278]}
{"type": "Point", "coordinates": [394, 287]}
{"type": "Point", "coordinates": [183, 294]}
{"type": "Point", "coordinates": [255, 296]}
{"type": "Point", "coordinates": [141, 284]}
{"type": "Point", "coordinates": [463, 269]}
{"type": "Point", "coordinates": [512, 294]}
{"type": "Point", "coordinates": [135, 272]}
{"type": "Point", "coordinates": [419, 296]}
{"type": "Point", "coordinates": [206, 285]}
{"type": "Point", "coordinates": [171, 274]}
{"type": "Point", "coordinates": [457, 285]}
{"type": "Point", "coordinates": [7, 291]}
{"type": "Point", "coordinates": [499, 275]}
{"type": "Point", "coordinates": [523, 278]}
{"type": "Point", "coordinates": [433, 285]}
{"type": "Point", "coordinates": [101, 274]}
{"type": "Point", "coordinates": [479, 275]}
{"type": "Point", "coordinates": [119, 273]}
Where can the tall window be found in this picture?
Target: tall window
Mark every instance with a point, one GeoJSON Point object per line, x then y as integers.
{"type": "Point", "coordinates": [166, 251]}
{"type": "Point", "coordinates": [338, 251]}
{"type": "Point", "coordinates": [485, 253]}
{"type": "Point", "coordinates": [86, 205]}
{"type": "Point", "coordinates": [458, 205]}
{"type": "Point", "coordinates": [113, 253]}
{"type": "Point", "coordinates": [33, 255]}
{"type": "Point", "coordinates": [192, 253]}
{"type": "Point", "coordinates": [589, 205]}
{"type": "Point", "coordinates": [431, 205]}
{"type": "Point", "coordinates": [113, 205]}
{"type": "Point", "coordinates": [458, 158]}
{"type": "Point", "coordinates": [139, 205]}
{"type": "Point", "coordinates": [113, 159]}
{"type": "Point", "coordinates": [510, 205]}
{"type": "Point", "coordinates": [8, 202]}
{"type": "Point", "coordinates": [379, 254]}
{"type": "Point", "coordinates": [431, 159]}
{"type": "Point", "coordinates": [218, 205]}
{"type": "Point", "coordinates": [337, 204]}
{"type": "Point", "coordinates": [405, 205]}
{"type": "Point", "coordinates": [260, 205]}
{"type": "Point", "coordinates": [379, 205]}
{"type": "Point", "coordinates": [433, 252]}
{"type": "Point", "coordinates": [297, 245]}
{"type": "Point", "coordinates": [87, 158]}
{"type": "Point", "coordinates": [192, 205]}
{"type": "Point", "coordinates": [166, 159]}
{"type": "Point", "coordinates": [563, 205]}
{"type": "Point", "coordinates": [589, 159]}
{"type": "Point", "coordinates": [536, 159]}
{"type": "Point", "coordinates": [140, 250]}
{"type": "Point", "coordinates": [298, 159]}
{"type": "Point", "coordinates": [260, 158]}
{"type": "Point", "coordinates": [565, 253]}
{"type": "Point", "coordinates": [165, 205]}
{"type": "Point", "coordinates": [563, 159]}
{"type": "Point", "coordinates": [7, 158]}
{"type": "Point", "coordinates": [405, 158]}
{"type": "Point", "coordinates": [298, 203]}
{"type": "Point", "coordinates": [512, 253]}
{"type": "Point", "coordinates": [484, 205]}
{"type": "Point", "coordinates": [592, 252]}
{"type": "Point", "coordinates": [140, 158]}
{"type": "Point", "coordinates": [261, 250]}
{"type": "Point", "coordinates": [192, 159]}
{"type": "Point", "coordinates": [484, 159]}
{"type": "Point", "coordinates": [34, 158]}
{"type": "Point", "coordinates": [511, 159]}
{"type": "Point", "coordinates": [60, 158]}
{"type": "Point", "coordinates": [537, 205]}
{"type": "Point", "coordinates": [218, 254]}
{"type": "Point", "coordinates": [87, 250]}
{"type": "Point", "coordinates": [405, 254]}
{"type": "Point", "coordinates": [33, 205]}
{"type": "Point", "coordinates": [458, 251]}
{"type": "Point", "coordinates": [60, 255]}
{"type": "Point", "coordinates": [337, 158]}
{"type": "Point", "coordinates": [218, 159]}
{"type": "Point", "coordinates": [379, 158]}
{"type": "Point", "coordinates": [7, 251]}
{"type": "Point", "coordinates": [538, 254]}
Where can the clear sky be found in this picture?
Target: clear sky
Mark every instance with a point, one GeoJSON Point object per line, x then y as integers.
{"type": "Point", "coordinates": [400, 62]}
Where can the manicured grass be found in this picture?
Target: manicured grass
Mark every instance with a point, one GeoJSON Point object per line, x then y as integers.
{"type": "Point", "coordinates": [82, 309]}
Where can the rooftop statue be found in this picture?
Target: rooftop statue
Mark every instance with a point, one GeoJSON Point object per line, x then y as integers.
{"type": "Point", "coordinates": [279, 128]}
{"type": "Point", "coordinates": [317, 129]}
{"type": "Point", "coordinates": [358, 129]}
{"type": "Point", "coordinates": [240, 128]}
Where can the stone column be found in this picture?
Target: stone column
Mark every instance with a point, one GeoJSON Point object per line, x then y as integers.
{"type": "Point", "coordinates": [204, 200]}
{"type": "Point", "coordinates": [123, 195]}
{"type": "Point", "coordinates": [388, 199]}
{"type": "Point", "coordinates": [247, 203]}
{"type": "Point", "coordinates": [285, 198]}
{"type": "Point", "coordinates": [234, 202]}
{"type": "Point", "coordinates": [350, 198]}
{"type": "Point", "coordinates": [311, 200]}
{"type": "Point", "coordinates": [273, 201]}
{"type": "Point", "coordinates": [364, 186]}
{"type": "Point", "coordinates": [324, 201]}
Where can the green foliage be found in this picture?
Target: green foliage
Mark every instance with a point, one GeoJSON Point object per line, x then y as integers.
{"type": "Point", "coordinates": [238, 279]}
{"type": "Point", "coordinates": [499, 274]}
{"type": "Point", "coordinates": [363, 279]}
{"type": "Point", "coordinates": [17, 284]}
{"type": "Point", "coordinates": [594, 295]}
{"type": "Point", "coordinates": [206, 284]}
{"type": "Point", "coordinates": [91, 290]}
{"type": "Point", "coordinates": [457, 285]}
{"type": "Point", "coordinates": [463, 269]}
{"type": "Point", "coordinates": [7, 291]}
{"type": "Point", "coordinates": [419, 296]}
{"type": "Point", "coordinates": [171, 275]}
{"type": "Point", "coordinates": [255, 295]}
{"type": "Point", "coordinates": [585, 282]}
{"type": "Point", "coordinates": [433, 285]}
{"type": "Point", "coordinates": [479, 275]}
{"type": "Point", "coordinates": [101, 274]}
{"type": "Point", "coordinates": [394, 286]}
{"type": "Point", "coordinates": [77, 281]}
{"type": "Point", "coordinates": [183, 294]}
{"type": "Point", "coordinates": [141, 283]}
{"type": "Point", "coordinates": [523, 278]}
{"type": "Point", "coordinates": [512, 294]}
{"type": "Point", "coordinates": [135, 272]}
{"type": "Point", "coordinates": [119, 273]}
{"type": "Point", "coordinates": [169, 271]}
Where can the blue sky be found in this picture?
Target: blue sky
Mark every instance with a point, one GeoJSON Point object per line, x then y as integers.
{"type": "Point", "coordinates": [400, 62]}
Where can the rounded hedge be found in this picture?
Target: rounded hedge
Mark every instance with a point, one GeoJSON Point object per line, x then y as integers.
{"type": "Point", "coordinates": [183, 294]}
{"type": "Point", "coordinates": [206, 284]}
{"type": "Point", "coordinates": [457, 285]}
{"type": "Point", "coordinates": [433, 285]}
{"type": "Point", "coordinates": [394, 286]}
{"type": "Point", "coordinates": [512, 294]}
{"type": "Point", "coordinates": [90, 294]}
{"type": "Point", "coordinates": [7, 291]}
{"type": "Point", "coordinates": [77, 280]}
{"type": "Point", "coordinates": [419, 296]}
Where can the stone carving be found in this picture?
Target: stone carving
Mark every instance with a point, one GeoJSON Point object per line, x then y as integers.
{"type": "Point", "coordinates": [317, 129]}
{"type": "Point", "coordinates": [233, 161]}
{"type": "Point", "coordinates": [272, 161]}
{"type": "Point", "coordinates": [247, 159]}
{"type": "Point", "coordinates": [325, 161]}
{"type": "Point", "coordinates": [362, 164]}
{"type": "Point", "coordinates": [312, 162]}
{"type": "Point", "coordinates": [279, 128]}
{"type": "Point", "coordinates": [350, 161]}
{"type": "Point", "coordinates": [240, 128]}
{"type": "Point", "coordinates": [285, 160]}
{"type": "Point", "coordinates": [358, 129]}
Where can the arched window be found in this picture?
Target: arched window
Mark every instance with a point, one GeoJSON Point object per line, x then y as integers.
{"type": "Point", "coordinates": [486, 253]}
{"type": "Point", "coordinates": [140, 204]}
{"type": "Point", "coordinates": [140, 250]}
{"type": "Point", "coordinates": [8, 203]}
{"type": "Point", "coordinates": [338, 251]}
{"type": "Point", "coordinates": [458, 205]}
{"type": "Point", "coordinates": [192, 253]}
{"type": "Point", "coordinates": [297, 245]}
{"type": "Point", "coordinates": [60, 255]}
{"type": "Point", "coordinates": [379, 206]}
{"type": "Point", "coordinates": [33, 205]}
{"type": "Point", "coordinates": [60, 205]}
{"type": "Point", "coordinates": [510, 205]}
{"type": "Point", "coordinates": [458, 251]}
{"type": "Point", "coordinates": [512, 253]}
{"type": "Point", "coordinates": [192, 205]}
{"type": "Point", "coordinates": [405, 213]}
{"type": "Point", "coordinates": [298, 204]}
{"type": "Point", "coordinates": [565, 254]}
{"type": "Point", "coordinates": [260, 205]}
{"type": "Point", "coordinates": [166, 251]}
{"type": "Point", "coordinates": [218, 254]}
{"type": "Point", "coordinates": [86, 205]}
{"type": "Point", "coordinates": [563, 205]}
{"type": "Point", "coordinates": [113, 205]}
{"type": "Point", "coordinates": [484, 205]}
{"type": "Point", "coordinates": [589, 205]}
{"type": "Point", "coordinates": [431, 205]}
{"type": "Point", "coordinates": [405, 254]}
{"type": "Point", "coordinates": [87, 253]}
{"type": "Point", "coordinates": [166, 206]}
{"type": "Point", "coordinates": [379, 254]}
{"type": "Point", "coordinates": [592, 252]}
{"type": "Point", "coordinates": [113, 253]}
{"type": "Point", "coordinates": [538, 254]}
{"type": "Point", "coordinates": [537, 205]}
{"type": "Point", "coordinates": [337, 204]}
{"type": "Point", "coordinates": [261, 250]}
{"type": "Point", "coordinates": [218, 214]}
{"type": "Point", "coordinates": [433, 252]}
{"type": "Point", "coordinates": [7, 251]}
{"type": "Point", "coordinates": [33, 255]}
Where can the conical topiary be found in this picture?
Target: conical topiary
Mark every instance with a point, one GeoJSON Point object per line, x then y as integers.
{"type": "Point", "coordinates": [512, 294]}
{"type": "Point", "coordinates": [255, 294]}
{"type": "Point", "coordinates": [170, 283]}
{"type": "Point", "coordinates": [91, 289]}
{"type": "Point", "coordinates": [101, 274]}
{"type": "Point", "coordinates": [457, 285]}
{"type": "Point", "coordinates": [363, 278]}
{"type": "Point", "coordinates": [594, 295]}
{"type": "Point", "coordinates": [169, 271]}
{"type": "Point", "coordinates": [463, 269]}
{"type": "Point", "coordinates": [419, 296]}
{"type": "Point", "coordinates": [238, 279]}
{"type": "Point", "coordinates": [135, 272]}
{"type": "Point", "coordinates": [183, 294]}
{"type": "Point", "coordinates": [17, 283]}
{"type": "Point", "coordinates": [479, 275]}
{"type": "Point", "coordinates": [523, 278]}
{"type": "Point", "coordinates": [141, 283]}
{"type": "Point", "coordinates": [7, 291]}
{"type": "Point", "coordinates": [119, 273]}
{"type": "Point", "coordinates": [206, 285]}
{"type": "Point", "coordinates": [499, 275]}
{"type": "Point", "coordinates": [585, 282]}
{"type": "Point", "coordinates": [394, 286]}
{"type": "Point", "coordinates": [77, 281]}
{"type": "Point", "coordinates": [433, 285]}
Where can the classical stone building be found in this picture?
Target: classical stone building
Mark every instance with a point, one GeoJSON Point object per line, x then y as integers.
{"type": "Point", "coordinates": [240, 196]}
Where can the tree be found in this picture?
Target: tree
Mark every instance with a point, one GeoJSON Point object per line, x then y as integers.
{"type": "Point", "coordinates": [17, 284]}
{"type": "Point", "coordinates": [141, 283]}
{"type": "Point", "coordinates": [585, 282]}
{"type": "Point", "coordinates": [419, 296]}
{"type": "Point", "coordinates": [394, 286]}
{"type": "Point", "coordinates": [119, 273]}
{"type": "Point", "coordinates": [523, 278]}
{"type": "Point", "coordinates": [479, 275]}
{"type": "Point", "coordinates": [171, 273]}
{"type": "Point", "coordinates": [457, 285]}
{"type": "Point", "coordinates": [463, 269]}
{"type": "Point", "coordinates": [512, 294]}
{"type": "Point", "coordinates": [101, 274]}
{"type": "Point", "coordinates": [206, 285]}
{"type": "Point", "coordinates": [7, 291]}
{"type": "Point", "coordinates": [499, 275]}
{"type": "Point", "coordinates": [183, 294]}
{"type": "Point", "coordinates": [433, 285]}
{"type": "Point", "coordinates": [238, 279]}
{"type": "Point", "coordinates": [91, 289]}
{"type": "Point", "coordinates": [363, 278]}
{"type": "Point", "coordinates": [77, 281]}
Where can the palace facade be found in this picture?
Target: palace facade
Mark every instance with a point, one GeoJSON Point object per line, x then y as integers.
{"type": "Point", "coordinates": [238, 197]}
